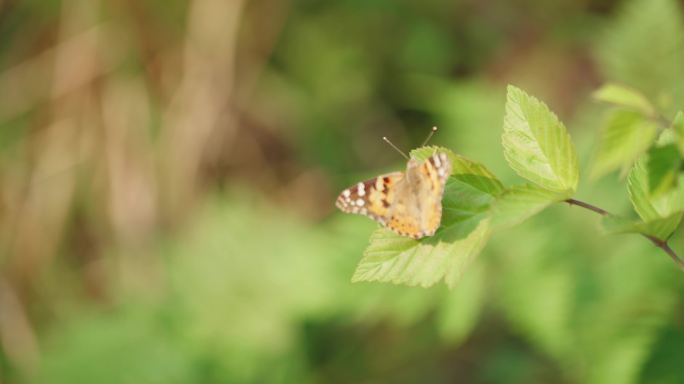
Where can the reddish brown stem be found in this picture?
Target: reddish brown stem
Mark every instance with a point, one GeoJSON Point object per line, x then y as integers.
{"type": "Point", "coordinates": [662, 244]}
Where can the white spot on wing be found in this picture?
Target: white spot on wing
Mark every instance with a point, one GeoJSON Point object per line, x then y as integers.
{"type": "Point", "coordinates": [346, 193]}
{"type": "Point", "coordinates": [362, 189]}
{"type": "Point", "coordinates": [359, 202]}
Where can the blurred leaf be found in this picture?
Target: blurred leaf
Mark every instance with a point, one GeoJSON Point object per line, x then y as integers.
{"type": "Point", "coordinates": [519, 203]}
{"type": "Point", "coordinates": [537, 145]}
{"type": "Point", "coordinates": [461, 307]}
{"type": "Point", "coordinates": [536, 292]}
{"type": "Point", "coordinates": [211, 288]}
{"type": "Point", "coordinates": [664, 364]}
{"type": "Point", "coordinates": [663, 165]}
{"type": "Point", "coordinates": [133, 347]}
{"type": "Point", "coordinates": [624, 137]}
{"type": "Point", "coordinates": [464, 231]}
{"type": "Point", "coordinates": [658, 228]}
{"type": "Point", "coordinates": [626, 97]}
{"type": "Point", "coordinates": [678, 128]}
{"type": "Point", "coordinates": [643, 48]}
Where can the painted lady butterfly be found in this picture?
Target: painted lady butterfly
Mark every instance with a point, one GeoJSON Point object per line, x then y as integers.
{"type": "Point", "coordinates": [408, 203]}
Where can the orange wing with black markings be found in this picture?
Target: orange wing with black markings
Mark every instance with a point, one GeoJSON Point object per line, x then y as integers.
{"type": "Point", "coordinates": [409, 204]}
{"type": "Point", "coordinates": [372, 198]}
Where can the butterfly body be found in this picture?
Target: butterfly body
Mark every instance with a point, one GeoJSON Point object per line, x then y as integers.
{"type": "Point", "coordinates": [408, 203]}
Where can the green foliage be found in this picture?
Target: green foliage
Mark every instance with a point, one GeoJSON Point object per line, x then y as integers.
{"type": "Point", "coordinates": [625, 97]}
{"type": "Point", "coordinates": [648, 205]}
{"type": "Point", "coordinates": [625, 136]}
{"type": "Point", "coordinates": [132, 347]}
{"type": "Point", "coordinates": [663, 165]}
{"type": "Point", "coordinates": [657, 228]}
{"type": "Point", "coordinates": [253, 287]}
{"type": "Point", "coordinates": [678, 128]}
{"type": "Point", "coordinates": [661, 213]}
{"type": "Point", "coordinates": [537, 145]}
{"type": "Point", "coordinates": [519, 203]}
{"type": "Point", "coordinates": [647, 32]}
{"type": "Point", "coordinates": [464, 230]}
{"type": "Point", "coordinates": [461, 309]}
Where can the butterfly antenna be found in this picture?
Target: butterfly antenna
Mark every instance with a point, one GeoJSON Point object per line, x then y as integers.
{"type": "Point", "coordinates": [395, 147]}
{"type": "Point", "coordinates": [432, 132]}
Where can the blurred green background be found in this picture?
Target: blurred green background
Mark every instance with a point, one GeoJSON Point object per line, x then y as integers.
{"type": "Point", "coordinates": [168, 171]}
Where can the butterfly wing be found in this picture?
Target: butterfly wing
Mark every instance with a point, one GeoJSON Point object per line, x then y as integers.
{"type": "Point", "coordinates": [409, 204]}
{"type": "Point", "coordinates": [417, 211]}
{"type": "Point", "coordinates": [372, 198]}
{"type": "Point", "coordinates": [435, 172]}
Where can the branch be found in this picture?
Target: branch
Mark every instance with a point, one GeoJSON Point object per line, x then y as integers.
{"type": "Point", "coordinates": [662, 244]}
{"type": "Point", "coordinates": [588, 206]}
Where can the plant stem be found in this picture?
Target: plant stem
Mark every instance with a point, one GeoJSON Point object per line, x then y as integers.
{"type": "Point", "coordinates": [588, 206]}
{"type": "Point", "coordinates": [662, 244]}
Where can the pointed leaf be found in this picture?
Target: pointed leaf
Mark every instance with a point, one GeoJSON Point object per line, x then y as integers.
{"type": "Point", "coordinates": [519, 203]}
{"type": "Point", "coordinates": [464, 231]}
{"type": "Point", "coordinates": [623, 96]}
{"type": "Point", "coordinates": [537, 145]}
{"type": "Point", "coordinates": [625, 136]}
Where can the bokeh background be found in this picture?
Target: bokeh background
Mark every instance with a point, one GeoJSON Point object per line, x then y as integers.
{"type": "Point", "coordinates": [168, 171]}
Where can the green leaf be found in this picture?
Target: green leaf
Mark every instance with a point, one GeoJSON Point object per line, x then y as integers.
{"type": "Point", "coordinates": [678, 128]}
{"type": "Point", "coordinates": [648, 206]}
{"type": "Point", "coordinates": [537, 145]}
{"type": "Point", "coordinates": [658, 228]}
{"type": "Point", "coordinates": [661, 214]}
{"type": "Point", "coordinates": [519, 203]}
{"type": "Point", "coordinates": [625, 136]}
{"type": "Point", "coordinates": [625, 97]}
{"type": "Point", "coordinates": [663, 165]}
{"type": "Point", "coordinates": [465, 229]}
{"type": "Point", "coordinates": [464, 169]}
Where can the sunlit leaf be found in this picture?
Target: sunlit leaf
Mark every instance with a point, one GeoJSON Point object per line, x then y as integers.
{"type": "Point", "coordinates": [625, 136]}
{"type": "Point", "coordinates": [464, 231]}
{"type": "Point", "coordinates": [537, 145]}
{"type": "Point", "coordinates": [625, 97]}
{"type": "Point", "coordinates": [519, 203]}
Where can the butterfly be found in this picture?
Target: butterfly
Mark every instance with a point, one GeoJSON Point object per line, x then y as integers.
{"type": "Point", "coordinates": [409, 203]}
